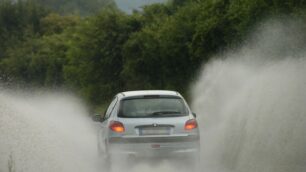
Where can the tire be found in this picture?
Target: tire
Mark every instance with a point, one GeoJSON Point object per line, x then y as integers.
{"type": "Point", "coordinates": [194, 162]}
{"type": "Point", "coordinates": [198, 162]}
{"type": "Point", "coordinates": [105, 158]}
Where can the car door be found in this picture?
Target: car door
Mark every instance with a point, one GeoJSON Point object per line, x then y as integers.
{"type": "Point", "coordinates": [104, 124]}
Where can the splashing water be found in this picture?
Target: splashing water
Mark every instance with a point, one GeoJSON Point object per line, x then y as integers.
{"type": "Point", "coordinates": [45, 132]}
{"type": "Point", "coordinates": [251, 103]}
{"type": "Point", "coordinates": [51, 132]}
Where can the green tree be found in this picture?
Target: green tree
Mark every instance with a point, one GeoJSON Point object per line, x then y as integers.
{"type": "Point", "coordinates": [81, 7]}
{"type": "Point", "coordinates": [95, 55]}
{"type": "Point", "coordinates": [53, 23]}
{"type": "Point", "coordinates": [38, 58]}
{"type": "Point", "coordinates": [17, 22]}
{"type": "Point", "coordinates": [159, 57]}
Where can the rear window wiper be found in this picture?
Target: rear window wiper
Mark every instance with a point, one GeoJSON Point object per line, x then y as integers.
{"type": "Point", "coordinates": [164, 113]}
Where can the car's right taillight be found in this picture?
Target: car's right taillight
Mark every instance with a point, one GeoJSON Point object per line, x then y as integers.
{"type": "Point", "coordinates": [191, 124]}
{"type": "Point", "coordinates": [116, 126]}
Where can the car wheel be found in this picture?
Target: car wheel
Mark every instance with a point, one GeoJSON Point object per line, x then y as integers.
{"type": "Point", "coordinates": [105, 158]}
{"type": "Point", "coordinates": [195, 162]}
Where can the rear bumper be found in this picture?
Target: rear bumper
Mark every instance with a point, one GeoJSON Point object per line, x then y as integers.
{"type": "Point", "coordinates": [155, 146]}
{"type": "Point", "coordinates": [171, 139]}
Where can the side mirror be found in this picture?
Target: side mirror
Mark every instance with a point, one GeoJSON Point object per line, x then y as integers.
{"type": "Point", "coordinates": [96, 118]}
{"type": "Point", "coordinates": [194, 114]}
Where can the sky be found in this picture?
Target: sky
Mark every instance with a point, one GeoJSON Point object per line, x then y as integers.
{"type": "Point", "coordinates": [129, 5]}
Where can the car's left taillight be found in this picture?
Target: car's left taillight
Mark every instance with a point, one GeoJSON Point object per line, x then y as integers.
{"type": "Point", "coordinates": [191, 124]}
{"type": "Point", "coordinates": [116, 126]}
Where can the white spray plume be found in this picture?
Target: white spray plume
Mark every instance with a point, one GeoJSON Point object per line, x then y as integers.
{"type": "Point", "coordinates": [251, 103]}
{"type": "Point", "coordinates": [45, 132]}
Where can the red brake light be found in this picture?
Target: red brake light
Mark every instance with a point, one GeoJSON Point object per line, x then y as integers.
{"type": "Point", "coordinates": [191, 124]}
{"type": "Point", "coordinates": [116, 126]}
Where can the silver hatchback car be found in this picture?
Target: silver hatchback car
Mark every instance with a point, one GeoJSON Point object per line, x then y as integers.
{"type": "Point", "coordinates": [148, 123]}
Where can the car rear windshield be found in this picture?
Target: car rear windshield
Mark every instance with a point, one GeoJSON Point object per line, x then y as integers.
{"type": "Point", "coordinates": [152, 107]}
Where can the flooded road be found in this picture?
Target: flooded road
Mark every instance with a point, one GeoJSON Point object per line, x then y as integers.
{"type": "Point", "coordinates": [250, 104]}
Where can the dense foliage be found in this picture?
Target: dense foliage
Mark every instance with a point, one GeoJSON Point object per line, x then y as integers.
{"type": "Point", "coordinates": [81, 7]}
{"type": "Point", "coordinates": [161, 47]}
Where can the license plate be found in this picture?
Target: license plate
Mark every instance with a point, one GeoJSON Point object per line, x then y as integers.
{"type": "Point", "coordinates": [155, 131]}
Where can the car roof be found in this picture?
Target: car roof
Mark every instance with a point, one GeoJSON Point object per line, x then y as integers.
{"type": "Point", "coordinates": [149, 92]}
